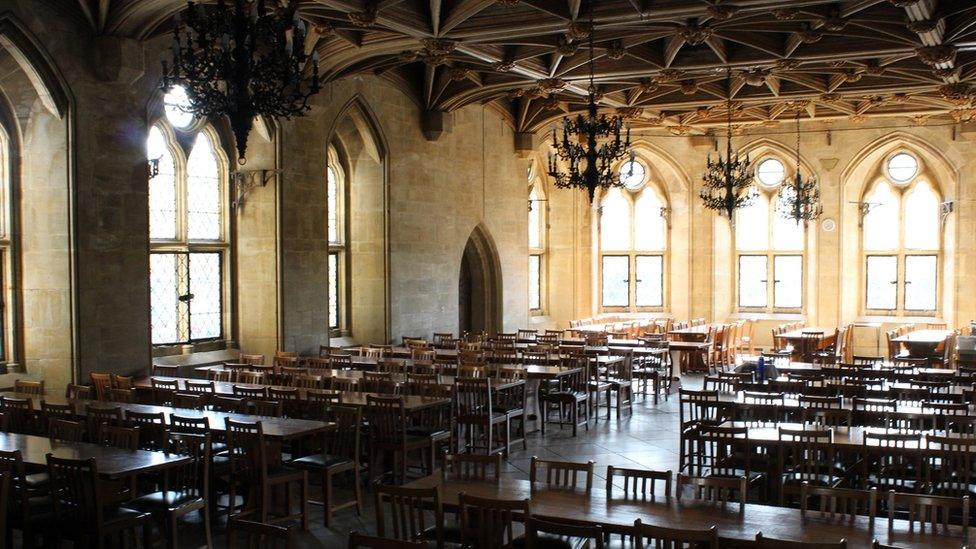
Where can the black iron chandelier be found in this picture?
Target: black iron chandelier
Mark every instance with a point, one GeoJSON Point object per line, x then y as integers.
{"type": "Point", "coordinates": [591, 143]}
{"type": "Point", "coordinates": [800, 199]}
{"type": "Point", "coordinates": [728, 182]}
{"type": "Point", "coordinates": [242, 61]}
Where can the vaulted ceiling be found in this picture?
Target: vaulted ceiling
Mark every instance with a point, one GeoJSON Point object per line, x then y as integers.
{"type": "Point", "coordinates": [663, 63]}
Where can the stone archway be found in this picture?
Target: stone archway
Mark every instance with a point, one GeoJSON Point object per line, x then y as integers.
{"type": "Point", "coordinates": [479, 285]}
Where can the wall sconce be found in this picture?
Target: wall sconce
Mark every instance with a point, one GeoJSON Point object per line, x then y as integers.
{"type": "Point", "coordinates": [246, 180]}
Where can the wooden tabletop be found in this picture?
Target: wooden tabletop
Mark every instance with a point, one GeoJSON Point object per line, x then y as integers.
{"type": "Point", "coordinates": [798, 334]}
{"type": "Point", "coordinates": [111, 462]}
{"type": "Point", "coordinates": [845, 438]}
{"type": "Point", "coordinates": [930, 337]}
{"type": "Point", "coordinates": [702, 329]}
{"type": "Point", "coordinates": [903, 409]}
{"type": "Point", "coordinates": [687, 345]}
{"type": "Point", "coordinates": [274, 427]}
{"type": "Point", "coordinates": [617, 515]}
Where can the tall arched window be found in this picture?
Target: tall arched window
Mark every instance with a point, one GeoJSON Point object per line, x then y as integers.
{"type": "Point", "coordinates": [187, 230]}
{"type": "Point", "coordinates": [633, 243]}
{"type": "Point", "coordinates": [336, 181]}
{"type": "Point", "coordinates": [537, 247]}
{"type": "Point", "coordinates": [901, 240]}
{"type": "Point", "coordinates": [770, 248]}
{"type": "Point", "coordinates": [6, 251]}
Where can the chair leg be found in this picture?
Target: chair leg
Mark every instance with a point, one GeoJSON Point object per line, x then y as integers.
{"type": "Point", "coordinates": [327, 496]}
{"type": "Point", "coordinates": [304, 501]}
{"type": "Point", "coordinates": [208, 530]}
{"type": "Point", "coordinates": [358, 491]}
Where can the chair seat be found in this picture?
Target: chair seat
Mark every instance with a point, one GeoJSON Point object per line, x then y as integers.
{"type": "Point", "coordinates": [281, 473]}
{"type": "Point", "coordinates": [320, 461]}
{"type": "Point", "coordinates": [796, 477]}
{"type": "Point", "coordinates": [36, 480]}
{"type": "Point", "coordinates": [429, 432]}
{"type": "Point", "coordinates": [161, 501]}
{"type": "Point", "coordinates": [115, 515]}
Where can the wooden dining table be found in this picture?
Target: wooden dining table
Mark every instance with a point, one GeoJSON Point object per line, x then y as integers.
{"type": "Point", "coordinates": [274, 427]}
{"type": "Point", "coordinates": [920, 373]}
{"type": "Point", "coordinates": [922, 343]}
{"type": "Point", "coordinates": [112, 463]}
{"type": "Point", "coordinates": [616, 514]}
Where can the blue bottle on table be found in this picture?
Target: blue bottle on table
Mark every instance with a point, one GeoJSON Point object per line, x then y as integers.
{"type": "Point", "coordinates": [761, 368]}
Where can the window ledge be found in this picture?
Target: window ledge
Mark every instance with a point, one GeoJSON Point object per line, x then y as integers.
{"type": "Point", "coordinates": [540, 318]}
{"type": "Point", "coordinates": [882, 319]}
{"type": "Point", "coordinates": [167, 351]}
{"type": "Point", "coordinates": [785, 317]}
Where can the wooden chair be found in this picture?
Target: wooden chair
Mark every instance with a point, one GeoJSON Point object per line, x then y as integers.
{"type": "Point", "coordinates": [562, 474]}
{"type": "Point", "coordinates": [185, 488]}
{"type": "Point", "coordinates": [472, 467]}
{"type": "Point", "coordinates": [77, 392]}
{"type": "Point", "coordinates": [638, 483]}
{"type": "Point", "coordinates": [359, 541]}
{"type": "Point", "coordinates": [163, 391]}
{"type": "Point", "coordinates": [408, 511]}
{"type": "Point", "coordinates": [715, 489]}
{"type": "Point", "coordinates": [124, 396]}
{"type": "Point", "coordinates": [291, 405]}
{"type": "Point", "coordinates": [126, 438]}
{"type": "Point", "coordinates": [388, 434]}
{"type": "Point", "coordinates": [97, 416]}
{"type": "Point", "coordinates": [266, 408]}
{"type": "Point", "coordinates": [660, 536]}
{"type": "Point", "coordinates": [934, 510]}
{"type": "Point", "coordinates": [257, 535]}
{"type": "Point", "coordinates": [378, 382]}
{"type": "Point", "coordinates": [101, 383]}
{"type": "Point", "coordinates": [948, 463]}
{"type": "Point", "coordinates": [846, 503]}
{"type": "Point", "coordinates": [490, 523]}
{"type": "Point", "coordinates": [541, 533]}
{"type": "Point", "coordinates": [251, 393]}
{"type": "Point", "coordinates": [190, 401]}
{"type": "Point", "coordinates": [23, 507]}
{"type": "Point", "coordinates": [249, 467]}
{"type": "Point", "coordinates": [63, 429]}
{"type": "Point", "coordinates": [82, 513]}
{"type": "Point", "coordinates": [886, 466]}
{"type": "Point", "coordinates": [572, 394]}
{"type": "Point", "coordinates": [251, 359]}
{"type": "Point", "coordinates": [621, 380]}
{"type": "Point", "coordinates": [28, 387]}
{"type": "Point", "coordinates": [152, 429]}
{"type": "Point", "coordinates": [806, 456]}
{"type": "Point", "coordinates": [476, 416]}
{"type": "Point", "coordinates": [20, 414]}
{"type": "Point", "coordinates": [340, 454]}
{"type": "Point", "coordinates": [770, 543]}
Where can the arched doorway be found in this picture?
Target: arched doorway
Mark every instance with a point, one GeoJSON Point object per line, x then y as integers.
{"type": "Point", "coordinates": [479, 292]}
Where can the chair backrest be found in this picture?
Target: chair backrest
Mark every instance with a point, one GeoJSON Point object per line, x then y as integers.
{"type": "Point", "coordinates": [126, 438]}
{"type": "Point", "coordinates": [562, 474]}
{"type": "Point", "coordinates": [378, 382]}
{"type": "Point", "coordinates": [167, 370]}
{"type": "Point", "coordinates": [844, 502]}
{"type": "Point", "coordinates": [473, 397]}
{"type": "Point", "coordinates": [78, 392]}
{"type": "Point", "coordinates": [251, 359]}
{"type": "Point", "coordinates": [76, 490]}
{"type": "Point", "coordinates": [387, 419]}
{"type": "Point", "coordinates": [20, 414]}
{"type": "Point", "coordinates": [257, 535]}
{"type": "Point", "coordinates": [188, 425]}
{"type": "Point", "coordinates": [539, 533]}
{"type": "Point", "coordinates": [408, 512]}
{"type": "Point", "coordinates": [125, 396]}
{"type": "Point", "coordinates": [27, 386]}
{"type": "Point", "coordinates": [245, 448]}
{"type": "Point", "coordinates": [97, 416]}
{"type": "Point", "coordinates": [152, 428]}
{"type": "Point", "coordinates": [770, 543]}
{"type": "Point", "coordinates": [359, 541]}
{"type": "Point", "coordinates": [827, 417]}
{"type": "Point", "coordinates": [190, 401]}
{"type": "Point", "coordinates": [638, 483]}
{"type": "Point", "coordinates": [472, 467]}
{"type": "Point", "coordinates": [250, 392]}
{"type": "Point", "coordinates": [936, 511]}
{"type": "Point", "coordinates": [192, 477]}
{"type": "Point", "coordinates": [266, 408]}
{"type": "Point", "coordinates": [715, 489]}
{"type": "Point", "coordinates": [345, 440]}
{"type": "Point", "coordinates": [102, 383]}
{"type": "Point", "coordinates": [490, 523]}
{"type": "Point", "coordinates": [63, 429]}
{"type": "Point", "coordinates": [647, 535]}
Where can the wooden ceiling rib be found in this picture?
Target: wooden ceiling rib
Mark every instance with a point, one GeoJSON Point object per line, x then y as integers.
{"type": "Point", "coordinates": [661, 62]}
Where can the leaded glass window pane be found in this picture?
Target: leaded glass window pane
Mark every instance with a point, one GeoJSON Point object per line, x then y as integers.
{"type": "Point", "coordinates": [616, 281]}
{"type": "Point", "coordinates": [752, 226]}
{"type": "Point", "coordinates": [205, 287]}
{"type": "Point", "coordinates": [922, 218]}
{"type": "Point", "coordinates": [535, 282]}
{"type": "Point", "coordinates": [535, 220]}
{"type": "Point", "coordinates": [787, 234]}
{"type": "Point", "coordinates": [203, 199]}
{"type": "Point", "coordinates": [164, 293]}
{"type": "Point", "coordinates": [334, 291]}
{"type": "Point", "coordinates": [921, 282]}
{"type": "Point", "coordinates": [881, 225]}
{"type": "Point", "coordinates": [752, 281]}
{"type": "Point", "coordinates": [650, 280]}
{"type": "Point", "coordinates": [788, 282]}
{"type": "Point", "coordinates": [333, 205]}
{"type": "Point", "coordinates": [162, 188]}
{"type": "Point", "coordinates": [649, 225]}
{"type": "Point", "coordinates": [882, 282]}
{"type": "Point", "coordinates": [615, 221]}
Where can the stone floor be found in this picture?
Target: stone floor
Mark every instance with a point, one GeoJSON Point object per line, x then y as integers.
{"type": "Point", "coordinates": [646, 439]}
